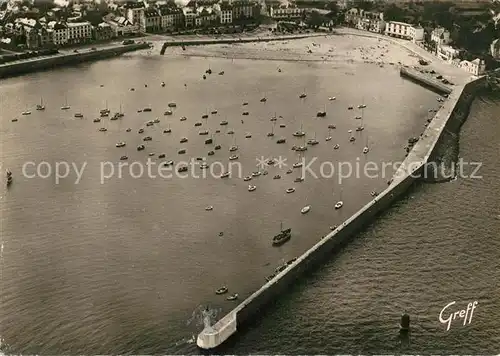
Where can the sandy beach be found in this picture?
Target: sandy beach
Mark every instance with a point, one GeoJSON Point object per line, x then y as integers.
{"type": "Point", "coordinates": [345, 46]}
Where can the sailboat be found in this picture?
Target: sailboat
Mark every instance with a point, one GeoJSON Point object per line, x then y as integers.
{"type": "Point", "coordinates": [299, 133]}
{"type": "Point", "coordinates": [321, 113]}
{"type": "Point", "coordinates": [40, 106]}
{"type": "Point", "coordinates": [283, 236]}
{"type": "Point", "coordinates": [340, 203]}
{"type": "Point", "coordinates": [303, 95]}
{"type": "Point", "coordinates": [66, 106]}
{"type": "Point", "coordinates": [361, 127]}
{"type": "Point", "coordinates": [313, 141]}
{"type": "Point", "coordinates": [233, 148]}
{"type": "Point", "coordinates": [271, 134]}
{"type": "Point", "coordinates": [328, 138]}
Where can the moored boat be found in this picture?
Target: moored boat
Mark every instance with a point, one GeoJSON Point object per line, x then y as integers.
{"type": "Point", "coordinates": [282, 237]}
{"type": "Point", "coordinates": [305, 209]}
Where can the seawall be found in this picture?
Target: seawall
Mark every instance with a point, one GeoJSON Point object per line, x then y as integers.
{"type": "Point", "coordinates": [211, 41]}
{"type": "Point", "coordinates": [448, 118]}
{"type": "Point", "coordinates": [57, 60]}
{"type": "Point", "coordinates": [425, 80]}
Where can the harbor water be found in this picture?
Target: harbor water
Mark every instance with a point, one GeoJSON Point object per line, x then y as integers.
{"type": "Point", "coordinates": [122, 264]}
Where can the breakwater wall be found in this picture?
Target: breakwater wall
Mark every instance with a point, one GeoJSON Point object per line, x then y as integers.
{"type": "Point", "coordinates": [57, 60]}
{"type": "Point", "coordinates": [212, 41]}
{"type": "Point", "coordinates": [425, 80]}
{"type": "Point", "coordinates": [449, 117]}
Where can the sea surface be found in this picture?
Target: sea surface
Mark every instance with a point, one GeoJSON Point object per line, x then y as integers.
{"type": "Point", "coordinates": [119, 262]}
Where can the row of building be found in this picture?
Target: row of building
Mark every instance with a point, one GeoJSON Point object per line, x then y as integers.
{"type": "Point", "coordinates": [374, 22]}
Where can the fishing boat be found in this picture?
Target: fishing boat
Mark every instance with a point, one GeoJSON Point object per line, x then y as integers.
{"type": "Point", "coordinates": [168, 163]}
{"type": "Point", "coordinates": [277, 176]}
{"type": "Point", "coordinates": [332, 127]}
{"type": "Point", "coordinates": [290, 190]}
{"type": "Point", "coordinates": [147, 138]}
{"type": "Point", "coordinates": [225, 175]}
{"type": "Point", "coordinates": [263, 100]}
{"type": "Point", "coordinates": [197, 124]}
{"type": "Point", "coordinates": [181, 151]}
{"type": "Point", "coordinates": [161, 155]}
{"type": "Point", "coordinates": [233, 297]}
{"type": "Point", "coordinates": [251, 188]}
{"type": "Point", "coordinates": [148, 109]}
{"type": "Point", "coordinates": [183, 118]}
{"type": "Point", "coordinates": [336, 147]}
{"type": "Point", "coordinates": [297, 165]}
{"type": "Point", "coordinates": [183, 140]}
{"type": "Point", "coordinates": [247, 178]}
{"type": "Point", "coordinates": [299, 133]}
{"type": "Point", "coordinates": [141, 131]}
{"type": "Point", "coordinates": [209, 141]}
{"type": "Point", "coordinates": [78, 115]}
{"type": "Point", "coordinates": [298, 179]}
{"type": "Point", "coordinates": [209, 208]}
{"type": "Point", "coordinates": [140, 147]}
{"type": "Point", "coordinates": [303, 95]}
{"type": "Point", "coordinates": [27, 112]}
{"type": "Point", "coordinates": [248, 135]}
{"type": "Point", "coordinates": [282, 237]}
{"type": "Point", "coordinates": [352, 139]}
{"type": "Point", "coordinates": [103, 129]}
{"type": "Point", "coordinates": [339, 205]}
{"type": "Point", "coordinates": [123, 158]}
{"type": "Point", "coordinates": [204, 116]}
{"type": "Point", "coordinates": [40, 106]}
{"type": "Point", "coordinates": [182, 169]}
{"type": "Point", "coordinates": [121, 144]}
{"type": "Point", "coordinates": [172, 105]}
{"type": "Point", "coordinates": [233, 157]}
{"type": "Point", "coordinates": [223, 123]}
{"type": "Point", "coordinates": [214, 112]}
{"type": "Point", "coordinates": [167, 130]}
{"type": "Point", "coordinates": [332, 98]}
{"type": "Point", "coordinates": [65, 106]}
{"type": "Point", "coordinates": [245, 113]}
{"type": "Point", "coordinates": [168, 113]}
{"type": "Point", "coordinates": [305, 209]}
{"type": "Point", "coordinates": [97, 120]}
{"type": "Point", "coordinates": [203, 132]}
{"type": "Point", "coordinates": [362, 106]}
{"type": "Point", "coordinates": [281, 140]}
{"type": "Point", "coordinates": [221, 290]}
{"type": "Point", "coordinates": [14, 120]}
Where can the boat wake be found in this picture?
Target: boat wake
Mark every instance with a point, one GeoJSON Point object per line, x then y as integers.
{"type": "Point", "coordinates": [185, 341]}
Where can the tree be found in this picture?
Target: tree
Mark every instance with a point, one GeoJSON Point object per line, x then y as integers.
{"type": "Point", "coordinates": [315, 19]}
{"type": "Point", "coordinates": [394, 13]}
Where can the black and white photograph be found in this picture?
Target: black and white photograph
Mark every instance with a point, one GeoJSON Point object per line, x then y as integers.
{"type": "Point", "coordinates": [249, 177]}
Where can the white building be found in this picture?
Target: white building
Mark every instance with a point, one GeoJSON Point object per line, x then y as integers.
{"type": "Point", "coordinates": [59, 33]}
{"type": "Point", "coordinates": [225, 13]}
{"type": "Point", "coordinates": [404, 30]}
{"type": "Point", "coordinates": [189, 17]}
{"type": "Point", "coordinates": [476, 67]}
{"type": "Point", "coordinates": [447, 53]}
{"type": "Point", "coordinates": [283, 13]}
{"type": "Point", "coordinates": [365, 20]}
{"type": "Point", "coordinates": [79, 31]}
{"type": "Point", "coordinates": [440, 36]}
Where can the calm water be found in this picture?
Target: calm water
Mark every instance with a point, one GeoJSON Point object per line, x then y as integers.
{"type": "Point", "coordinates": [119, 266]}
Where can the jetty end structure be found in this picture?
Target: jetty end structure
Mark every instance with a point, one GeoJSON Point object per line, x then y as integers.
{"type": "Point", "coordinates": [449, 117]}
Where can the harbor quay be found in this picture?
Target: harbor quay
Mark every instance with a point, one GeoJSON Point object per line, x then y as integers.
{"type": "Point", "coordinates": [67, 57]}
{"type": "Point", "coordinates": [449, 117]}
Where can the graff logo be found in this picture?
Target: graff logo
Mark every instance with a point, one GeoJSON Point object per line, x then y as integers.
{"type": "Point", "coordinates": [461, 314]}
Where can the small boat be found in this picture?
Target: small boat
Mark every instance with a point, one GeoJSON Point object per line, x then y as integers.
{"type": "Point", "coordinates": [223, 123]}
{"type": "Point", "coordinates": [263, 100]}
{"type": "Point", "coordinates": [209, 141]}
{"type": "Point", "coordinates": [182, 169]}
{"type": "Point", "coordinates": [277, 176]}
{"type": "Point", "coordinates": [301, 149]}
{"type": "Point", "coordinates": [248, 135]}
{"type": "Point", "coordinates": [350, 108]}
{"type": "Point", "coordinates": [251, 188]}
{"type": "Point", "coordinates": [209, 208]}
{"type": "Point", "coordinates": [298, 180]}
{"type": "Point", "coordinates": [128, 130]}
{"type": "Point", "coordinates": [208, 71]}
{"type": "Point", "coordinates": [151, 154]}
{"type": "Point", "coordinates": [172, 105]}
{"type": "Point", "coordinates": [181, 151]}
{"type": "Point", "coordinates": [8, 173]}
{"type": "Point", "coordinates": [123, 158]}
{"type": "Point", "coordinates": [233, 157]}
{"type": "Point", "coordinates": [245, 113]}
{"type": "Point", "coordinates": [329, 138]}
{"type": "Point", "coordinates": [221, 73]}
{"type": "Point", "coordinates": [97, 120]}
{"type": "Point", "coordinates": [247, 178]}
{"type": "Point", "coordinates": [265, 173]}
{"type": "Point", "coordinates": [147, 138]}
{"type": "Point", "coordinates": [217, 147]}
{"type": "Point", "coordinates": [204, 76]}
{"type": "Point", "coordinates": [162, 84]}
{"type": "Point", "coordinates": [289, 171]}
{"type": "Point", "coordinates": [79, 115]}
{"type": "Point", "coordinates": [162, 155]}
{"type": "Point", "coordinates": [299, 133]}
{"type": "Point", "coordinates": [360, 128]}
{"type": "Point", "coordinates": [312, 142]}
{"type": "Point", "coordinates": [217, 131]}
{"type": "Point", "coordinates": [65, 107]}
{"type": "Point", "coordinates": [140, 147]}
{"type": "Point", "coordinates": [282, 237]}
{"type": "Point", "coordinates": [40, 107]}
{"type": "Point", "coordinates": [156, 121]}
{"type": "Point", "coordinates": [352, 139]}
{"type": "Point", "coordinates": [104, 114]}
{"type": "Point", "coordinates": [26, 113]}
{"type": "Point", "coordinates": [168, 163]}
{"type": "Point", "coordinates": [297, 165]}
{"type": "Point", "coordinates": [150, 123]}
{"type": "Point", "coordinates": [204, 116]}
{"type": "Point", "coordinates": [197, 124]}
{"type": "Point", "coordinates": [339, 204]}
{"type": "Point", "coordinates": [213, 112]}
{"type": "Point", "coordinates": [232, 297]}
{"type": "Point", "coordinates": [282, 126]}
{"type": "Point", "coordinates": [332, 127]}
{"type": "Point", "coordinates": [245, 104]}
{"type": "Point", "coordinates": [103, 129]}
{"type": "Point", "coordinates": [332, 98]}
{"type": "Point", "coordinates": [225, 175]}
{"type": "Point", "coordinates": [357, 118]}
{"type": "Point", "coordinates": [256, 174]}
{"type": "Point", "coordinates": [365, 150]}
{"type": "Point", "coordinates": [270, 161]}
{"type": "Point", "coordinates": [168, 112]}
{"type": "Point", "coordinates": [121, 144]}
{"type": "Point", "coordinates": [290, 190]}
{"type": "Point", "coordinates": [270, 278]}
{"type": "Point", "coordinates": [141, 131]}
{"type": "Point", "coordinates": [183, 118]}
{"type": "Point", "coordinates": [373, 193]}
{"type": "Point", "coordinates": [321, 114]}
{"type": "Point", "coordinates": [14, 120]}
{"type": "Point", "coordinates": [132, 89]}
{"type": "Point", "coordinates": [336, 147]}
{"type": "Point", "coordinates": [183, 140]}
{"type": "Point", "coordinates": [204, 165]}
{"type": "Point", "coordinates": [9, 180]}
{"type": "Point", "coordinates": [302, 96]}
{"type": "Point", "coordinates": [211, 153]}
{"type": "Point", "coordinates": [169, 130]}
{"type": "Point", "coordinates": [305, 209]}
{"type": "Point", "coordinates": [147, 110]}
{"type": "Point", "coordinates": [233, 148]}
{"type": "Point", "coordinates": [230, 132]}
{"type": "Point", "coordinates": [203, 133]}
{"type": "Point", "coordinates": [362, 106]}
{"type": "Point", "coordinates": [281, 140]}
